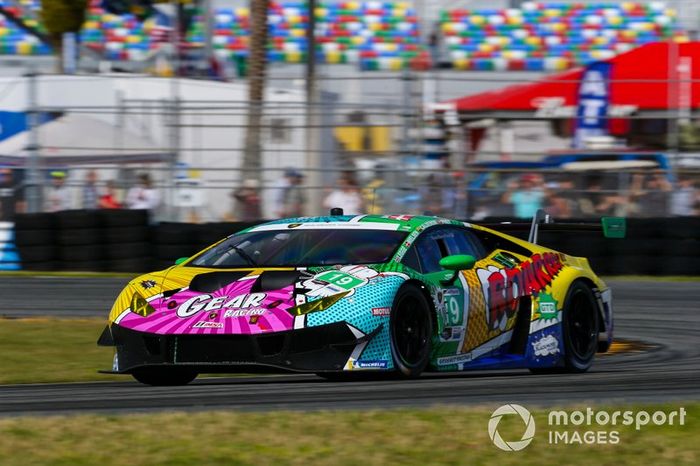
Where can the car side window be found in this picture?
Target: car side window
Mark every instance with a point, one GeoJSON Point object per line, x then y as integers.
{"type": "Point", "coordinates": [437, 243]}
{"type": "Point", "coordinates": [410, 259]}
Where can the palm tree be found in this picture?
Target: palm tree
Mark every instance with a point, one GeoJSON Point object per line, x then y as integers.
{"type": "Point", "coordinates": [59, 17]}
{"type": "Point", "coordinates": [256, 88]}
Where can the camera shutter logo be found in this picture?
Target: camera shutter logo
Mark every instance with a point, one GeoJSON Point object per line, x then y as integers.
{"type": "Point", "coordinates": [527, 418]}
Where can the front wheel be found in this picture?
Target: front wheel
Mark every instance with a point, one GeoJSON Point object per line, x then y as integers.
{"type": "Point", "coordinates": [164, 376]}
{"type": "Point", "coordinates": [411, 327]}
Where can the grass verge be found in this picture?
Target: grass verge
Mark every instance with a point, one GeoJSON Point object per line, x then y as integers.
{"type": "Point", "coordinates": [52, 350]}
{"type": "Point", "coordinates": [437, 436]}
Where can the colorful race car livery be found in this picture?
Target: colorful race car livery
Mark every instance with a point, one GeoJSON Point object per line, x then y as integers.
{"type": "Point", "coordinates": [339, 294]}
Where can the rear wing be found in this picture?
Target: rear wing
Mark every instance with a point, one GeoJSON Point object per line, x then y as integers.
{"type": "Point", "coordinates": [611, 227]}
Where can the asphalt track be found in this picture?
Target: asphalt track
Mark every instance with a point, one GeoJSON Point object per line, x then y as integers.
{"type": "Point", "coordinates": [666, 315]}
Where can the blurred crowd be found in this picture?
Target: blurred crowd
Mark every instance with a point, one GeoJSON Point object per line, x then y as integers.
{"type": "Point", "coordinates": [444, 192]}
{"type": "Point", "coordinates": [57, 195]}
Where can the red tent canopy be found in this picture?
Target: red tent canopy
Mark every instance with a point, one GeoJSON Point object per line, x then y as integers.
{"type": "Point", "coordinates": [639, 78]}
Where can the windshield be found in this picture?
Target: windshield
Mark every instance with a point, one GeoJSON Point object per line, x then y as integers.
{"type": "Point", "coordinates": [302, 248]}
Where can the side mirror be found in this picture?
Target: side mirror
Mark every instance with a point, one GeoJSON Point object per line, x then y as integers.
{"type": "Point", "coordinates": [455, 263]}
{"type": "Point", "coordinates": [181, 260]}
{"type": "Point", "coordinates": [458, 262]}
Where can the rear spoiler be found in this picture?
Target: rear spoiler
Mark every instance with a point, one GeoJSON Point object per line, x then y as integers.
{"type": "Point", "coordinates": [612, 227]}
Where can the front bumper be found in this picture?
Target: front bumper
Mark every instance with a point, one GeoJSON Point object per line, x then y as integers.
{"type": "Point", "coordinates": [311, 349]}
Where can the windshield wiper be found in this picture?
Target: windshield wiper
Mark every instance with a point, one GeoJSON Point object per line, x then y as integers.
{"type": "Point", "coordinates": [243, 254]}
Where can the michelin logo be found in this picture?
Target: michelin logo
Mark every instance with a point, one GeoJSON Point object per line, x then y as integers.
{"type": "Point", "coordinates": [370, 364]}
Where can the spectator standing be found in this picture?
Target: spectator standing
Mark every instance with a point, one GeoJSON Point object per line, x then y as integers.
{"type": "Point", "coordinates": [11, 194]}
{"type": "Point", "coordinates": [91, 195]}
{"type": "Point", "coordinates": [246, 201]}
{"type": "Point", "coordinates": [281, 191]}
{"type": "Point", "coordinates": [525, 196]}
{"type": "Point", "coordinates": [653, 199]}
{"type": "Point", "coordinates": [108, 200]}
{"type": "Point", "coordinates": [556, 204]}
{"type": "Point", "coordinates": [58, 198]}
{"type": "Point", "coordinates": [346, 196]}
{"type": "Point", "coordinates": [143, 195]}
{"type": "Point", "coordinates": [293, 200]}
{"type": "Point", "coordinates": [684, 198]}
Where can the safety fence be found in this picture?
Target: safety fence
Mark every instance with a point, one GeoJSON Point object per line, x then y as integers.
{"type": "Point", "coordinates": [125, 241]}
{"type": "Point", "coordinates": [197, 195]}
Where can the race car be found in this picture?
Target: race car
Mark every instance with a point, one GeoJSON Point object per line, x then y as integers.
{"type": "Point", "coordinates": [341, 295]}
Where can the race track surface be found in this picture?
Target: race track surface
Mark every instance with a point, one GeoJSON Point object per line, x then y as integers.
{"type": "Point", "coordinates": [663, 314]}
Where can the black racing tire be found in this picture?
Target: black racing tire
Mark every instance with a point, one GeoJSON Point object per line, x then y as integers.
{"type": "Point", "coordinates": [115, 218]}
{"type": "Point", "coordinates": [164, 376]}
{"type": "Point", "coordinates": [133, 265]}
{"type": "Point", "coordinates": [81, 266]}
{"type": "Point", "coordinates": [133, 234]}
{"type": "Point", "coordinates": [580, 328]}
{"type": "Point", "coordinates": [79, 236]}
{"type": "Point", "coordinates": [37, 253]}
{"type": "Point", "coordinates": [34, 237]}
{"type": "Point", "coordinates": [83, 253]}
{"type": "Point", "coordinates": [171, 252]}
{"type": "Point", "coordinates": [43, 221]}
{"type": "Point", "coordinates": [77, 219]}
{"type": "Point", "coordinates": [175, 233]}
{"type": "Point", "coordinates": [127, 250]}
{"type": "Point", "coordinates": [411, 331]}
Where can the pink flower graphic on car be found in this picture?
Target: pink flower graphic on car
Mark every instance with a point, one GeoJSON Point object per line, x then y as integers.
{"type": "Point", "coordinates": [233, 309]}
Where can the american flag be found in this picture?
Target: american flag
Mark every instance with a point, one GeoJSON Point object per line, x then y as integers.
{"type": "Point", "coordinates": [162, 29]}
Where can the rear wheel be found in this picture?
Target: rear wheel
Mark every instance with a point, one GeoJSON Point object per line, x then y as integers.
{"type": "Point", "coordinates": [164, 376]}
{"type": "Point", "coordinates": [580, 328]}
{"type": "Point", "coordinates": [411, 331]}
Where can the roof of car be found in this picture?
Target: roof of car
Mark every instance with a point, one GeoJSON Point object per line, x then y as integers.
{"type": "Point", "coordinates": [378, 222]}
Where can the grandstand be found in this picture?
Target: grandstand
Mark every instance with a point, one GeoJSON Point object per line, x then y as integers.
{"type": "Point", "coordinates": [14, 39]}
{"type": "Point", "coordinates": [384, 35]}
{"type": "Point", "coordinates": [552, 36]}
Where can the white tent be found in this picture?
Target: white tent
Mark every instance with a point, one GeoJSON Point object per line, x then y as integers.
{"type": "Point", "coordinates": [77, 139]}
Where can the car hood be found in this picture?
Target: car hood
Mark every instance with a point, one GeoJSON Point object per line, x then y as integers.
{"type": "Point", "coordinates": [193, 300]}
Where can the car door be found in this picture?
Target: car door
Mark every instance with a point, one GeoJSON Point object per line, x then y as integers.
{"type": "Point", "coordinates": [449, 291]}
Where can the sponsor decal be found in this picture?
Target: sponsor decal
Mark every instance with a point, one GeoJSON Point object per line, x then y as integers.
{"type": "Point", "coordinates": [207, 303]}
{"type": "Point", "coordinates": [371, 364]}
{"type": "Point", "coordinates": [447, 305]}
{"type": "Point", "coordinates": [244, 312]}
{"type": "Point", "coordinates": [546, 346]}
{"type": "Point", "coordinates": [503, 287]}
{"type": "Point", "coordinates": [206, 324]}
{"type": "Point", "coordinates": [451, 334]}
{"type": "Point", "coordinates": [400, 217]}
{"type": "Point", "coordinates": [148, 284]}
{"type": "Point", "coordinates": [294, 225]}
{"type": "Point", "coordinates": [381, 311]}
{"type": "Point", "coordinates": [335, 281]}
{"type": "Point", "coordinates": [547, 307]}
{"type": "Point", "coordinates": [457, 359]}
